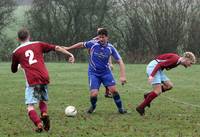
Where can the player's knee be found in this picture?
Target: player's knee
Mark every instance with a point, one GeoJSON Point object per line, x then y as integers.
{"type": "Point", "coordinates": [158, 92]}
{"type": "Point", "coordinates": [112, 89]}
{"type": "Point", "coordinates": [94, 93]}
{"type": "Point", "coordinates": [170, 86]}
{"type": "Point", "coordinates": [30, 107]}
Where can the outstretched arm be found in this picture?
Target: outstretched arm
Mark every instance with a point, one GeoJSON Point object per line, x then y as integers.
{"type": "Point", "coordinates": [62, 50]}
{"type": "Point", "coordinates": [122, 71]}
{"type": "Point", "coordinates": [75, 46]}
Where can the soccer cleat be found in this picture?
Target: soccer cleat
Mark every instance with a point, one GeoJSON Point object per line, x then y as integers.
{"type": "Point", "coordinates": [145, 96]}
{"type": "Point", "coordinates": [141, 111]}
{"type": "Point", "coordinates": [91, 110]}
{"type": "Point", "coordinates": [46, 122]}
{"type": "Point", "coordinates": [108, 95]}
{"type": "Point", "coordinates": [122, 111]}
{"type": "Point", "coordinates": [39, 128]}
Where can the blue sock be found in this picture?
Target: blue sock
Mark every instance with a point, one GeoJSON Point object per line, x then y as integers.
{"type": "Point", "coordinates": [93, 101]}
{"type": "Point", "coordinates": [117, 100]}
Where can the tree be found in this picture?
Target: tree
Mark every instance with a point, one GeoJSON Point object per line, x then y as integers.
{"type": "Point", "coordinates": [153, 27]}
{"type": "Point", "coordinates": [6, 17]}
{"type": "Point", "coordinates": [66, 22]}
{"type": "Point", "coordinates": [6, 9]}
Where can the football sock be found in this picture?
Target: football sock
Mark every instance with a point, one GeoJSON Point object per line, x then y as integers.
{"type": "Point", "coordinates": [117, 100]}
{"type": "Point", "coordinates": [93, 101]}
{"type": "Point", "coordinates": [43, 107]}
{"type": "Point", "coordinates": [148, 99]}
{"type": "Point", "coordinates": [34, 117]}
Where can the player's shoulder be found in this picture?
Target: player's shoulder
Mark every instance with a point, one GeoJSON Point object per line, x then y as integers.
{"type": "Point", "coordinates": [110, 45]}
{"type": "Point", "coordinates": [23, 45]}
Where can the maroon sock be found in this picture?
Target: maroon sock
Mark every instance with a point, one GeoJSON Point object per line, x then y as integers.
{"type": "Point", "coordinates": [34, 117]}
{"type": "Point", "coordinates": [43, 107]}
{"type": "Point", "coordinates": [148, 99]}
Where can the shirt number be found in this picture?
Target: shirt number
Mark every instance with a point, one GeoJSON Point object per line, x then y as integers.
{"type": "Point", "coordinates": [30, 54]}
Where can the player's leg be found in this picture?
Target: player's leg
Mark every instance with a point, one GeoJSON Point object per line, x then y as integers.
{"type": "Point", "coordinates": [149, 98]}
{"type": "Point", "coordinates": [108, 80]}
{"type": "Point", "coordinates": [107, 94]}
{"type": "Point", "coordinates": [30, 100]}
{"type": "Point", "coordinates": [42, 91]}
{"type": "Point", "coordinates": [167, 85]}
{"type": "Point", "coordinates": [156, 83]}
{"type": "Point", "coordinates": [94, 83]}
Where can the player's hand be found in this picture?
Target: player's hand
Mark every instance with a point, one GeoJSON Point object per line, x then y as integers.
{"type": "Point", "coordinates": [71, 59]}
{"type": "Point", "coordinates": [122, 80]}
{"type": "Point", "coordinates": [150, 79]}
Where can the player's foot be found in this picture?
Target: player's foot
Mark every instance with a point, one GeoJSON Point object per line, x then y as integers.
{"type": "Point", "coordinates": [91, 110]}
{"type": "Point", "coordinates": [46, 122]}
{"type": "Point", "coordinates": [122, 111]}
{"type": "Point", "coordinates": [145, 96]}
{"type": "Point", "coordinates": [141, 111]}
{"type": "Point", "coordinates": [108, 95]}
{"type": "Point", "coordinates": [39, 128]}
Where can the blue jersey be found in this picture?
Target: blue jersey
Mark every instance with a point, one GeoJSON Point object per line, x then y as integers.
{"type": "Point", "coordinates": [99, 56]}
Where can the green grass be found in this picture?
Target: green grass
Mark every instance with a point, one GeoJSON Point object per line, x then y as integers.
{"type": "Point", "coordinates": [173, 114]}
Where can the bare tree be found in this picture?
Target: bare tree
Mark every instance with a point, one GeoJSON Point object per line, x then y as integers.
{"type": "Point", "coordinates": [6, 10]}
{"type": "Point", "coordinates": [6, 17]}
{"type": "Point", "coordinates": [67, 21]}
{"type": "Point", "coordinates": [153, 27]}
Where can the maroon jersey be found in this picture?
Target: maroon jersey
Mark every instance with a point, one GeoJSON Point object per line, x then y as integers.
{"type": "Point", "coordinates": [166, 61]}
{"type": "Point", "coordinates": [30, 56]}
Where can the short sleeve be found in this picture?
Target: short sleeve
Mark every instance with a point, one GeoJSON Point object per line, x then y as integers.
{"type": "Point", "coordinates": [89, 44]}
{"type": "Point", "coordinates": [46, 47]}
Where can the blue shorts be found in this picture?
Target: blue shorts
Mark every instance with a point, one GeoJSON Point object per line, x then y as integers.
{"type": "Point", "coordinates": [95, 80]}
{"type": "Point", "coordinates": [159, 76]}
{"type": "Point", "coordinates": [35, 93]}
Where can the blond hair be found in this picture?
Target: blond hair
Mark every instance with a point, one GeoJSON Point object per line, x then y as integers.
{"type": "Point", "coordinates": [190, 56]}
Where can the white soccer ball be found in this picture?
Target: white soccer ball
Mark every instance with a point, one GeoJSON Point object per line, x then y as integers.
{"type": "Point", "coordinates": [70, 111]}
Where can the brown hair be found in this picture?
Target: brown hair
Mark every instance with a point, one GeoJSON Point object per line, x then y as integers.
{"type": "Point", "coordinates": [102, 31]}
{"type": "Point", "coordinates": [23, 34]}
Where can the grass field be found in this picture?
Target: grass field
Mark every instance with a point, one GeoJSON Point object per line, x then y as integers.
{"type": "Point", "coordinates": [173, 114]}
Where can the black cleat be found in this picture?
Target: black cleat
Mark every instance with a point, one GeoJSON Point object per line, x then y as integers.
{"type": "Point", "coordinates": [122, 111]}
{"type": "Point", "coordinates": [91, 110]}
{"type": "Point", "coordinates": [141, 111]}
{"type": "Point", "coordinates": [46, 122]}
{"type": "Point", "coordinates": [39, 128]}
{"type": "Point", "coordinates": [145, 96]}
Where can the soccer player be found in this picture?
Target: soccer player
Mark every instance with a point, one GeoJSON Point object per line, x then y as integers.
{"type": "Point", "coordinates": [99, 71]}
{"type": "Point", "coordinates": [29, 55]}
{"type": "Point", "coordinates": [158, 79]}
{"type": "Point", "coordinates": [107, 93]}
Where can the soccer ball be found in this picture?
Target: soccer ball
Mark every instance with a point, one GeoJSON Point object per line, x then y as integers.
{"type": "Point", "coordinates": [70, 111]}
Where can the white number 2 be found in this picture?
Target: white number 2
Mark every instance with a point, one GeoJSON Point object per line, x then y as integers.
{"type": "Point", "coordinates": [30, 54]}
